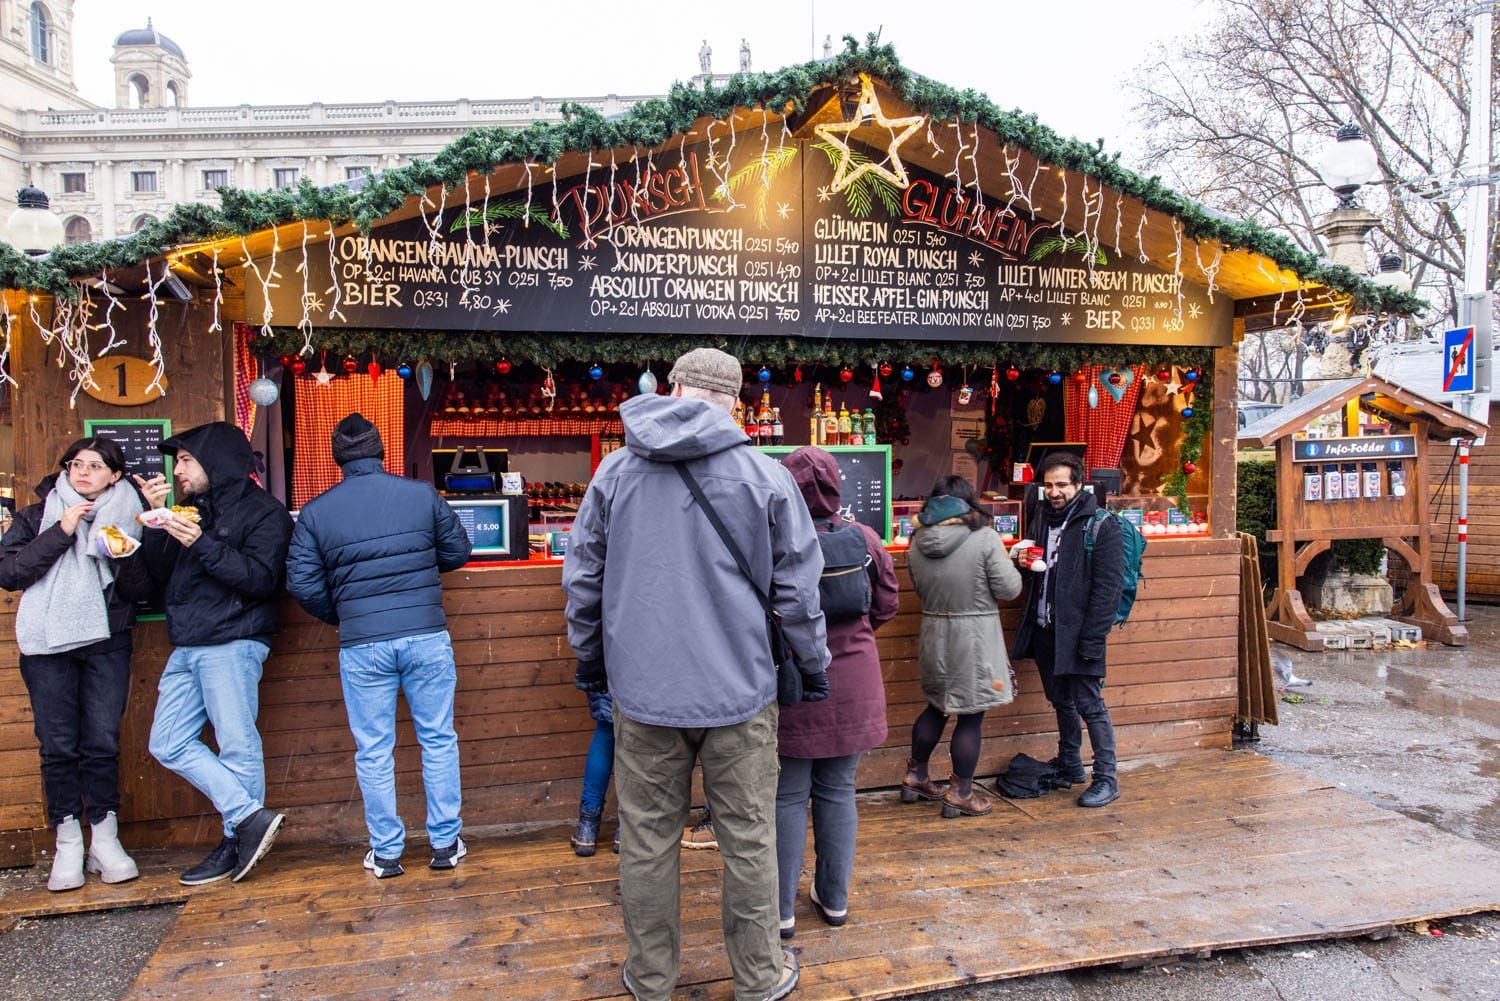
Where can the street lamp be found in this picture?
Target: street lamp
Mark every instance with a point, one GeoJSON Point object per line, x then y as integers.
{"type": "Point", "coordinates": [32, 228]}
{"type": "Point", "coordinates": [1348, 164]}
{"type": "Point", "coordinates": [1391, 274]}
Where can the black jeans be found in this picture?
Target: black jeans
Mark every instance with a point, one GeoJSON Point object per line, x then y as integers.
{"type": "Point", "coordinates": [1078, 699]}
{"type": "Point", "coordinates": [77, 699]}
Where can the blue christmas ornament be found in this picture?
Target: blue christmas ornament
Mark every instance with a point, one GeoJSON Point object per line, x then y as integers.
{"type": "Point", "coordinates": [764, 375]}
{"type": "Point", "coordinates": [1187, 412]}
{"type": "Point", "coordinates": [1055, 378]}
{"type": "Point", "coordinates": [596, 372]}
{"type": "Point", "coordinates": [646, 383]}
{"type": "Point", "coordinates": [424, 378]}
{"type": "Point", "coordinates": [907, 375]}
{"type": "Point", "coordinates": [403, 370]}
{"type": "Point", "coordinates": [1191, 375]}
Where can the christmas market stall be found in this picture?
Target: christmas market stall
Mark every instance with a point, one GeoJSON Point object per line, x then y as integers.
{"type": "Point", "coordinates": [909, 275]}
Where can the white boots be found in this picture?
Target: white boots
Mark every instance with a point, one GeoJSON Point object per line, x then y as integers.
{"type": "Point", "coordinates": [67, 864]}
{"type": "Point", "coordinates": [106, 856]}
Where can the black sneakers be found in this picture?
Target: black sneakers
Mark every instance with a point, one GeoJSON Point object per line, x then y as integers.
{"type": "Point", "coordinates": [447, 857]}
{"type": "Point", "coordinates": [383, 868]}
{"type": "Point", "coordinates": [255, 837]}
{"type": "Point", "coordinates": [1101, 793]}
{"type": "Point", "coordinates": [219, 864]}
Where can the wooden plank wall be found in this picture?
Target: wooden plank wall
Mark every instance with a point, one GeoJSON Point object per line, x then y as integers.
{"type": "Point", "coordinates": [1483, 576]}
{"type": "Point", "coordinates": [524, 729]}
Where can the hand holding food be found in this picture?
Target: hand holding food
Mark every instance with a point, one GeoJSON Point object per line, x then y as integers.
{"type": "Point", "coordinates": [161, 517]}
{"type": "Point", "coordinates": [184, 528]}
{"type": "Point", "coordinates": [155, 489]}
{"type": "Point", "coordinates": [71, 516]}
{"type": "Point", "coordinates": [115, 543]}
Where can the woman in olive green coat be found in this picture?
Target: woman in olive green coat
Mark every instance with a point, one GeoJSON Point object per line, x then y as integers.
{"type": "Point", "coordinates": [961, 570]}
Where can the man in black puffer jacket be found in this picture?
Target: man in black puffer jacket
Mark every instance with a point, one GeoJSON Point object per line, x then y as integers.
{"type": "Point", "coordinates": [222, 574]}
{"type": "Point", "coordinates": [366, 556]}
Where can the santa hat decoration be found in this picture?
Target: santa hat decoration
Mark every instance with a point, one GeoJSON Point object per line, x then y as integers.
{"type": "Point", "coordinates": [875, 386]}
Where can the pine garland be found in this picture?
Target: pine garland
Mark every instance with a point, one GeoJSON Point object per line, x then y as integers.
{"type": "Point", "coordinates": [1194, 431]}
{"type": "Point", "coordinates": [649, 124]}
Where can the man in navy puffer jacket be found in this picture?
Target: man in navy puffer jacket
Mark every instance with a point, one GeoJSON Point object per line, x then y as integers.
{"type": "Point", "coordinates": [366, 556]}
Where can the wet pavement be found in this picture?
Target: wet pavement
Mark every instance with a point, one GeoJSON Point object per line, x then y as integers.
{"type": "Point", "coordinates": [1415, 731]}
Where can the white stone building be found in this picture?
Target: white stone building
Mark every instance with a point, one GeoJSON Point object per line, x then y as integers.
{"type": "Point", "coordinates": [109, 169]}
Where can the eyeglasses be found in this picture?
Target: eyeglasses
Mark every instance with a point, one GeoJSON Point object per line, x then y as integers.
{"type": "Point", "coordinates": [86, 466]}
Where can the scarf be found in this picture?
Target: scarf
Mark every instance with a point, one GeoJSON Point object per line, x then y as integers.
{"type": "Point", "coordinates": [1054, 519]}
{"type": "Point", "coordinates": [67, 609]}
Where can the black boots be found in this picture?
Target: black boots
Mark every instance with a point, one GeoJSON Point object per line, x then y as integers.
{"type": "Point", "coordinates": [585, 838]}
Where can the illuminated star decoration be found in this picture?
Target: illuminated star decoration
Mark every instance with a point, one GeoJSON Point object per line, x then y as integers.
{"type": "Point", "coordinates": [587, 263]}
{"type": "Point", "coordinates": [1194, 311]}
{"type": "Point", "coordinates": [846, 172]}
{"type": "Point", "coordinates": [784, 210]}
{"type": "Point", "coordinates": [976, 259]}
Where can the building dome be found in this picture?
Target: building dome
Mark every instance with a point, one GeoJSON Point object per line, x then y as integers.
{"type": "Point", "coordinates": [149, 36]}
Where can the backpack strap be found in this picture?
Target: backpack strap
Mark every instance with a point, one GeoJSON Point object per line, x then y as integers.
{"type": "Point", "coordinates": [1092, 531]}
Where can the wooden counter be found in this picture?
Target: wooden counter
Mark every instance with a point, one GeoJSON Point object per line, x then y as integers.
{"type": "Point", "coordinates": [524, 730]}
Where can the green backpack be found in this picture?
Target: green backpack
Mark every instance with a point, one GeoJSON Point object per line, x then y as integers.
{"type": "Point", "coordinates": [1133, 544]}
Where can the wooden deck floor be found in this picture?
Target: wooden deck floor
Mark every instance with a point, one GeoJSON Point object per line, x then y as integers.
{"type": "Point", "coordinates": [1209, 851]}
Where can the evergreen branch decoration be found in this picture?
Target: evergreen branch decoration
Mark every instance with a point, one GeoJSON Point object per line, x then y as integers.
{"type": "Point", "coordinates": [860, 195]}
{"type": "Point", "coordinates": [507, 210]}
{"type": "Point", "coordinates": [1069, 245]}
{"type": "Point", "coordinates": [762, 171]}
{"type": "Point", "coordinates": [650, 124]}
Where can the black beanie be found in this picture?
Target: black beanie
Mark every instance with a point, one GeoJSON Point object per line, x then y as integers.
{"type": "Point", "coordinates": [356, 438]}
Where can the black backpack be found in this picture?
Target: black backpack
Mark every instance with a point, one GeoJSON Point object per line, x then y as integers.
{"type": "Point", "coordinates": [845, 588]}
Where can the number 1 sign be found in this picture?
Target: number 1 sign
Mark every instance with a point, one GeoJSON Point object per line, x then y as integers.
{"type": "Point", "coordinates": [124, 381]}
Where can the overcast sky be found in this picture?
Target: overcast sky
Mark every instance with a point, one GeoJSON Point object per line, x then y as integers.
{"type": "Point", "coordinates": [1065, 60]}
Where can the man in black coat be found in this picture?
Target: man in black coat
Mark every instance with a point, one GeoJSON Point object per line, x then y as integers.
{"type": "Point", "coordinates": [1067, 614]}
{"type": "Point", "coordinates": [222, 574]}
{"type": "Point", "coordinates": [365, 556]}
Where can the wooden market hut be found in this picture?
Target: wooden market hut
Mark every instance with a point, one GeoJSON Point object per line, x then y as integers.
{"type": "Point", "coordinates": [1053, 275]}
{"type": "Point", "coordinates": [1361, 486]}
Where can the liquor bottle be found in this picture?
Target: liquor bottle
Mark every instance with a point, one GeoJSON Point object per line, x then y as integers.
{"type": "Point", "coordinates": [763, 417]}
{"type": "Point", "coordinates": [778, 431]}
{"type": "Point", "coordinates": [830, 424]}
{"type": "Point", "coordinates": [846, 426]}
{"type": "Point", "coordinates": [870, 437]}
{"type": "Point", "coordinates": [814, 427]}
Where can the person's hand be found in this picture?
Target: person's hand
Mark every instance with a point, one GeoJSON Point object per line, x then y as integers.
{"type": "Point", "coordinates": [590, 676]}
{"type": "Point", "coordinates": [815, 687]}
{"type": "Point", "coordinates": [73, 515]}
{"type": "Point", "coordinates": [183, 530]}
{"type": "Point", "coordinates": [155, 489]}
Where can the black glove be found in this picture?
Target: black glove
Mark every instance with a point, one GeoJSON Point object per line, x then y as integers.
{"type": "Point", "coordinates": [590, 676]}
{"type": "Point", "coordinates": [815, 687]}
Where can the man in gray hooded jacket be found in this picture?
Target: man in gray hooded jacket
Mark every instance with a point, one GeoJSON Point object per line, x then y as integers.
{"type": "Point", "coordinates": [658, 609]}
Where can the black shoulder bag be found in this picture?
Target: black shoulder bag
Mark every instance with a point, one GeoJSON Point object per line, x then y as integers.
{"type": "Point", "coordinates": [788, 676]}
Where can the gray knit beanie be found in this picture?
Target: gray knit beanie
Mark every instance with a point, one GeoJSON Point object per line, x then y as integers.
{"type": "Point", "coordinates": [356, 438]}
{"type": "Point", "coordinates": [708, 368]}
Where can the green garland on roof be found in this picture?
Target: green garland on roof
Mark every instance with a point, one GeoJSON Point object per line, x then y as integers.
{"type": "Point", "coordinates": [394, 346]}
{"type": "Point", "coordinates": [650, 123]}
{"type": "Point", "coordinates": [1197, 428]}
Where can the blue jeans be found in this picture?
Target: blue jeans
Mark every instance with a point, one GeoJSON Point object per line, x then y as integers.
{"type": "Point", "coordinates": [598, 767]}
{"type": "Point", "coordinates": [219, 685]}
{"type": "Point", "coordinates": [422, 667]}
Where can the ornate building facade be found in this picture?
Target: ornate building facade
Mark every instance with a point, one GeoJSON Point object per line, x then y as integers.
{"type": "Point", "coordinates": [108, 170]}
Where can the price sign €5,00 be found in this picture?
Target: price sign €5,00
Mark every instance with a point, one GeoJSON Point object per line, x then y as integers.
{"type": "Point", "coordinates": [124, 381]}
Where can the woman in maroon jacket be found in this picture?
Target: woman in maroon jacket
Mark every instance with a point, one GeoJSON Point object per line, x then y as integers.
{"type": "Point", "coordinates": [820, 742]}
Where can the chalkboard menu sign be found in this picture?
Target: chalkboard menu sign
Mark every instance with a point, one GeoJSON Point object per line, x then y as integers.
{"type": "Point", "coordinates": [736, 239]}
{"type": "Point", "coordinates": [140, 440]}
{"type": "Point", "coordinates": [865, 489]}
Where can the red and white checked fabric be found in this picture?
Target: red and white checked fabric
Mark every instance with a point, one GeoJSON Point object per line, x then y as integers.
{"type": "Point", "coordinates": [245, 369]}
{"type": "Point", "coordinates": [320, 408]}
{"type": "Point", "coordinates": [1103, 428]}
{"type": "Point", "coordinates": [491, 427]}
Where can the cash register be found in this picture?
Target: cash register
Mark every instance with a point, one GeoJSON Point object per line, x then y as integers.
{"type": "Point", "coordinates": [470, 479]}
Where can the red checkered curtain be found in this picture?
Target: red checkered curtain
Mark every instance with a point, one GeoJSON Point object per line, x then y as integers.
{"type": "Point", "coordinates": [245, 370]}
{"type": "Point", "coordinates": [1105, 427]}
{"type": "Point", "coordinates": [320, 407]}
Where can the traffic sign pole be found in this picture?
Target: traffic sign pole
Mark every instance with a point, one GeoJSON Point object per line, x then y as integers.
{"type": "Point", "coordinates": [1463, 526]}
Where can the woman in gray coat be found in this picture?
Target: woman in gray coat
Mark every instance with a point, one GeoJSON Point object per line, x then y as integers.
{"type": "Point", "coordinates": [961, 570]}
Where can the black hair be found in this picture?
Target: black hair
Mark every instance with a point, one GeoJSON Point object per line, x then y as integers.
{"type": "Point", "coordinates": [109, 450]}
{"type": "Point", "coordinates": [1063, 460]}
{"type": "Point", "coordinates": [956, 486]}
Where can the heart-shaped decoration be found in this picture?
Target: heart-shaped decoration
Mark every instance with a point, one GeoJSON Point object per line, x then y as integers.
{"type": "Point", "coordinates": [1117, 381]}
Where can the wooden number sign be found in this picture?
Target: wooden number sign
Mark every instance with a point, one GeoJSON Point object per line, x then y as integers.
{"type": "Point", "coordinates": [124, 381]}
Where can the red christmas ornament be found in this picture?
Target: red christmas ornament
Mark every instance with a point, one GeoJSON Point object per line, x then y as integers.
{"type": "Point", "coordinates": [1080, 377]}
{"type": "Point", "coordinates": [1164, 374]}
{"type": "Point", "coordinates": [503, 366]}
{"type": "Point", "coordinates": [1189, 468]}
{"type": "Point", "coordinates": [373, 367]}
{"type": "Point", "coordinates": [1115, 378]}
{"type": "Point", "coordinates": [886, 370]}
{"type": "Point", "coordinates": [845, 374]}
{"type": "Point", "coordinates": [351, 365]}
{"type": "Point", "coordinates": [299, 365]}
{"type": "Point", "coordinates": [286, 360]}
{"type": "Point", "coordinates": [1012, 373]}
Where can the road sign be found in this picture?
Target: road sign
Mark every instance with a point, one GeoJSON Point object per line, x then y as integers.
{"type": "Point", "coordinates": [1458, 360]}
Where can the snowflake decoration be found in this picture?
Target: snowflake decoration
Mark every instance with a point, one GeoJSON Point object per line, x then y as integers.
{"type": "Point", "coordinates": [501, 306]}
{"type": "Point", "coordinates": [1194, 311]}
{"type": "Point", "coordinates": [823, 193]}
{"type": "Point", "coordinates": [1066, 319]}
{"type": "Point", "coordinates": [976, 259]}
{"type": "Point", "coordinates": [492, 229]}
{"type": "Point", "coordinates": [587, 262]}
{"type": "Point", "coordinates": [312, 302]}
{"type": "Point", "coordinates": [783, 210]}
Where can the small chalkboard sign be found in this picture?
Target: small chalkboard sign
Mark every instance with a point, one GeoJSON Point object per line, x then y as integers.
{"type": "Point", "coordinates": [141, 440]}
{"type": "Point", "coordinates": [866, 487]}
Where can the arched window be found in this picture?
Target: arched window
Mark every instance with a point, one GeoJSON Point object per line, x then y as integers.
{"type": "Point", "coordinates": [41, 34]}
{"type": "Point", "coordinates": [78, 230]}
{"type": "Point", "coordinates": [140, 222]}
{"type": "Point", "coordinates": [140, 92]}
{"type": "Point", "coordinates": [174, 96]}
